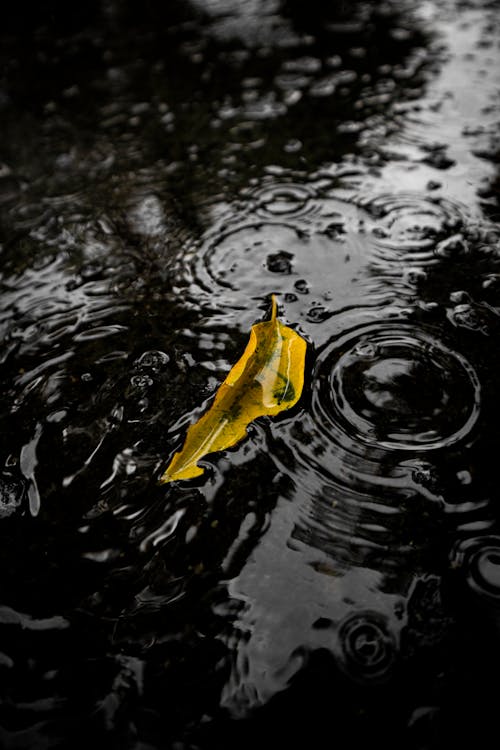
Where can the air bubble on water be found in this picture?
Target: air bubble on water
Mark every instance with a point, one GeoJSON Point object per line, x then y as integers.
{"type": "Point", "coordinates": [460, 297]}
{"type": "Point", "coordinates": [91, 271]}
{"type": "Point", "coordinates": [301, 286]}
{"type": "Point", "coordinates": [57, 416]}
{"type": "Point", "coordinates": [280, 262]}
{"type": "Point", "coordinates": [415, 276]}
{"type": "Point", "coordinates": [467, 316]}
{"type": "Point", "coordinates": [318, 314]}
{"type": "Point", "coordinates": [292, 146]}
{"type": "Point", "coordinates": [116, 416]}
{"type": "Point", "coordinates": [153, 360]}
{"type": "Point", "coordinates": [491, 282]}
{"type": "Point", "coordinates": [452, 246]}
{"type": "Point", "coordinates": [125, 463]}
{"type": "Point", "coordinates": [334, 61]}
{"type": "Point", "coordinates": [464, 477]}
{"type": "Point", "coordinates": [323, 87]}
{"type": "Point", "coordinates": [335, 229]}
{"type": "Point", "coordinates": [12, 491]}
{"type": "Point", "coordinates": [428, 307]}
{"type": "Point", "coordinates": [425, 475]}
{"type": "Point", "coordinates": [304, 64]}
{"type": "Point", "coordinates": [365, 350]}
{"type": "Point", "coordinates": [141, 381]}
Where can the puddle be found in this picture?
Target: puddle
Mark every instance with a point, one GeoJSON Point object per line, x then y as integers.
{"type": "Point", "coordinates": [163, 171]}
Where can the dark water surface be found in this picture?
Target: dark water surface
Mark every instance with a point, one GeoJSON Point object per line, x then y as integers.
{"type": "Point", "coordinates": [335, 579]}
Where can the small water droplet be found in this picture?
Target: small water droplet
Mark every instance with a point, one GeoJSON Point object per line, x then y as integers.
{"type": "Point", "coordinates": [368, 648]}
{"type": "Point", "coordinates": [317, 314]}
{"type": "Point", "coordinates": [460, 297]}
{"type": "Point", "coordinates": [153, 360]}
{"type": "Point", "coordinates": [438, 159]}
{"type": "Point", "coordinates": [491, 282]}
{"type": "Point", "coordinates": [141, 381]}
{"type": "Point", "coordinates": [292, 146]}
{"type": "Point", "coordinates": [428, 307]}
{"type": "Point", "coordinates": [464, 477]}
{"type": "Point", "coordinates": [91, 271]}
{"type": "Point", "coordinates": [280, 262]}
{"type": "Point", "coordinates": [380, 233]}
{"type": "Point", "coordinates": [301, 286]}
{"type": "Point", "coordinates": [415, 276]}
{"type": "Point", "coordinates": [467, 316]}
{"type": "Point", "coordinates": [425, 475]}
{"type": "Point", "coordinates": [12, 491]}
{"type": "Point", "coordinates": [365, 350]}
{"type": "Point", "coordinates": [452, 246]}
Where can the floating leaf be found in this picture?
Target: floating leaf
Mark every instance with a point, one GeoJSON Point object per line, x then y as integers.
{"type": "Point", "coordinates": [267, 379]}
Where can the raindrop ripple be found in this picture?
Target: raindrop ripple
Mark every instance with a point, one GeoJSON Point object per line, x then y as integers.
{"type": "Point", "coordinates": [395, 387]}
{"type": "Point", "coordinates": [479, 559]}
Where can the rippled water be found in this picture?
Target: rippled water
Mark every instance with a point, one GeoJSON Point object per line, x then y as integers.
{"type": "Point", "coordinates": [163, 171]}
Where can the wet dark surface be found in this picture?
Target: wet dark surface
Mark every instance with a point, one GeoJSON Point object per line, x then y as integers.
{"type": "Point", "coordinates": [334, 579]}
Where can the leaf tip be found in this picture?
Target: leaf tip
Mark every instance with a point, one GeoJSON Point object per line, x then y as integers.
{"type": "Point", "coordinates": [274, 308]}
{"type": "Point", "coordinates": [188, 471]}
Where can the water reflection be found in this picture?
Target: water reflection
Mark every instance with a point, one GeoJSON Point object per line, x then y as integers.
{"type": "Point", "coordinates": [164, 171]}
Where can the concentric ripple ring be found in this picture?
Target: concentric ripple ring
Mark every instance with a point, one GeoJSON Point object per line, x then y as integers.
{"type": "Point", "coordinates": [396, 387]}
{"type": "Point", "coordinates": [479, 559]}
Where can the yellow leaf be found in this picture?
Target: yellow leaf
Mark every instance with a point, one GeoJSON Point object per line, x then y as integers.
{"type": "Point", "coordinates": [267, 379]}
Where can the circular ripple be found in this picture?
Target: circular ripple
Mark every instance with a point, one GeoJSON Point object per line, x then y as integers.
{"type": "Point", "coordinates": [397, 388]}
{"type": "Point", "coordinates": [246, 255]}
{"type": "Point", "coordinates": [479, 558]}
{"type": "Point", "coordinates": [410, 221]}
{"type": "Point", "coordinates": [368, 648]}
{"type": "Point", "coordinates": [284, 200]}
{"type": "Point", "coordinates": [257, 259]}
{"type": "Point", "coordinates": [12, 493]}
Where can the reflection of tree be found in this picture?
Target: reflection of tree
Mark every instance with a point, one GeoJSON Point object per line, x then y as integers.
{"type": "Point", "coordinates": [230, 110]}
